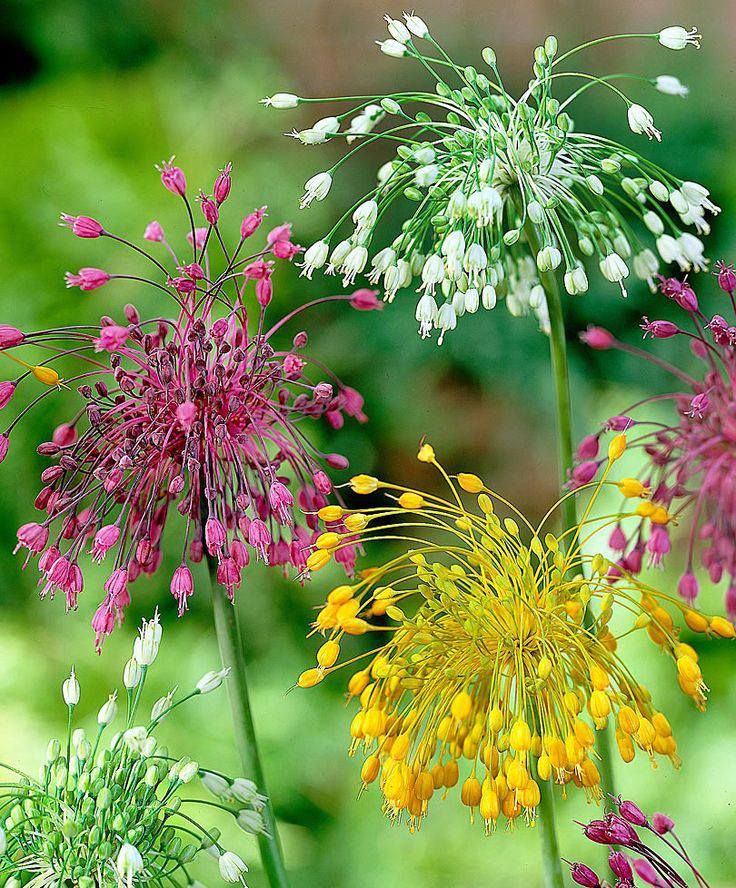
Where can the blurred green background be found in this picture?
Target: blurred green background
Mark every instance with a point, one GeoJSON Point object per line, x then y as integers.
{"type": "Point", "coordinates": [91, 96]}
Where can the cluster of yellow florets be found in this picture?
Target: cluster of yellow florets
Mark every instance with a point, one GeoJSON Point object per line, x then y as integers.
{"type": "Point", "coordinates": [497, 678]}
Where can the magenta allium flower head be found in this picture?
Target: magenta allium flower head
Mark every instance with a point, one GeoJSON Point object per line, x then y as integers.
{"type": "Point", "coordinates": [691, 462]}
{"type": "Point", "coordinates": [198, 418]}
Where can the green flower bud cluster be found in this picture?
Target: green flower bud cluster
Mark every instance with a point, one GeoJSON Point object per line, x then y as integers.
{"type": "Point", "coordinates": [108, 809]}
{"type": "Point", "coordinates": [492, 191]}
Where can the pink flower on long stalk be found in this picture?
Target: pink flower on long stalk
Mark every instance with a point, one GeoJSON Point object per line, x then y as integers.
{"type": "Point", "coordinates": [692, 461]}
{"type": "Point", "coordinates": [200, 414]}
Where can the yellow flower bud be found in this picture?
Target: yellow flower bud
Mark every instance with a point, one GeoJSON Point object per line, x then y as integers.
{"type": "Point", "coordinates": [426, 453]}
{"type": "Point", "coordinates": [660, 515]}
{"type": "Point", "coordinates": [358, 683]}
{"type": "Point", "coordinates": [340, 594]}
{"type": "Point", "coordinates": [356, 521]}
{"type": "Point", "coordinates": [470, 483]}
{"type": "Point", "coordinates": [520, 737]}
{"type": "Point", "coordinates": [632, 487]}
{"type": "Point", "coordinates": [370, 769]}
{"type": "Point", "coordinates": [617, 447]}
{"type": "Point", "coordinates": [645, 509]}
{"type": "Point", "coordinates": [495, 720]}
{"type": "Point", "coordinates": [723, 627]}
{"type": "Point", "coordinates": [628, 720]}
{"type": "Point", "coordinates": [310, 677]}
{"type": "Point", "coordinates": [544, 667]}
{"type": "Point", "coordinates": [327, 655]}
{"type": "Point", "coordinates": [364, 484]}
{"type": "Point", "coordinates": [411, 501]}
{"type": "Point", "coordinates": [485, 504]}
{"type": "Point", "coordinates": [696, 621]}
{"type": "Point", "coordinates": [327, 540]}
{"type": "Point", "coordinates": [471, 792]}
{"type": "Point", "coordinates": [330, 513]}
{"type": "Point", "coordinates": [317, 560]}
{"type": "Point", "coordinates": [462, 706]}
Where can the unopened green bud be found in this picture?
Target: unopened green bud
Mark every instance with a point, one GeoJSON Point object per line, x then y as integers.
{"type": "Point", "coordinates": [489, 57]}
{"type": "Point", "coordinates": [104, 799]}
{"type": "Point", "coordinates": [550, 46]}
{"type": "Point", "coordinates": [70, 828]}
{"type": "Point", "coordinates": [53, 750]}
{"type": "Point", "coordinates": [390, 106]}
{"type": "Point", "coordinates": [540, 56]}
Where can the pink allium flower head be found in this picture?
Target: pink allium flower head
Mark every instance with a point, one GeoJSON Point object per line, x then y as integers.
{"type": "Point", "coordinates": [7, 390]}
{"type": "Point", "coordinates": [82, 226]}
{"type": "Point", "coordinates": [598, 338]}
{"type": "Point", "coordinates": [223, 184]}
{"type": "Point", "coordinates": [173, 178]}
{"type": "Point", "coordinates": [252, 223]}
{"type": "Point", "coordinates": [691, 462]}
{"type": "Point", "coordinates": [154, 232]}
{"type": "Point", "coordinates": [199, 419]}
{"type": "Point", "coordinates": [10, 336]}
{"type": "Point", "coordinates": [87, 279]}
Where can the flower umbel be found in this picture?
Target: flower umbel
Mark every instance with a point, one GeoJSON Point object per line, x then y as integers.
{"type": "Point", "coordinates": [200, 413]}
{"type": "Point", "coordinates": [495, 190]}
{"type": "Point", "coordinates": [691, 461]}
{"type": "Point", "coordinates": [114, 812]}
{"type": "Point", "coordinates": [489, 667]}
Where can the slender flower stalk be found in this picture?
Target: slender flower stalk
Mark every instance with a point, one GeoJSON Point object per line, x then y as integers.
{"type": "Point", "coordinates": [691, 459]}
{"type": "Point", "coordinates": [641, 848]}
{"type": "Point", "coordinates": [493, 190]}
{"type": "Point", "coordinates": [115, 811]}
{"type": "Point", "coordinates": [486, 673]}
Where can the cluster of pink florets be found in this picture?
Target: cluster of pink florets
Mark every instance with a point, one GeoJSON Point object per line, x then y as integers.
{"type": "Point", "coordinates": [642, 850]}
{"type": "Point", "coordinates": [691, 463]}
{"type": "Point", "coordinates": [200, 413]}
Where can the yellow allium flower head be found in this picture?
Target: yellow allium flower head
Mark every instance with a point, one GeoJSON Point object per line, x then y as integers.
{"type": "Point", "coordinates": [489, 674]}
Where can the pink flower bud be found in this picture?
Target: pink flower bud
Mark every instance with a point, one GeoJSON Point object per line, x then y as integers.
{"type": "Point", "coordinates": [259, 537]}
{"type": "Point", "coordinates": [280, 233]}
{"type": "Point", "coordinates": [182, 586]}
{"type": "Point", "coordinates": [116, 583]}
{"type": "Point", "coordinates": [154, 232]}
{"type": "Point", "coordinates": [214, 534]}
{"type": "Point", "coordinates": [173, 178]}
{"type": "Point", "coordinates": [64, 435]}
{"type": "Point", "coordinates": [699, 406]}
{"type": "Point", "coordinates": [239, 553]}
{"type": "Point", "coordinates": [4, 444]}
{"type": "Point", "coordinates": [200, 237]}
{"type": "Point", "coordinates": [264, 291]}
{"type": "Point", "coordinates": [619, 864]}
{"type": "Point", "coordinates": [105, 539]}
{"type": "Point", "coordinates": [366, 300]}
{"type": "Point", "coordinates": [87, 279]}
{"type": "Point", "coordinates": [7, 390]}
{"type": "Point", "coordinates": [583, 473]}
{"type": "Point", "coordinates": [658, 545]}
{"type": "Point", "coordinates": [584, 875]}
{"type": "Point", "coordinates": [228, 575]}
{"type": "Point", "coordinates": [284, 249]}
{"type": "Point", "coordinates": [195, 271]}
{"type": "Point", "coordinates": [647, 873]}
{"type": "Point", "coordinates": [223, 183]}
{"type": "Point", "coordinates": [82, 226]}
{"type": "Point", "coordinates": [322, 391]}
{"type": "Point", "coordinates": [301, 339]}
{"type": "Point", "coordinates": [322, 482]}
{"type": "Point", "coordinates": [103, 622]}
{"type": "Point", "coordinates": [662, 824]}
{"type": "Point", "coordinates": [352, 403]}
{"type": "Point", "coordinates": [183, 285]}
{"type": "Point", "coordinates": [659, 329]}
{"type": "Point", "coordinates": [293, 366]}
{"type": "Point", "coordinates": [209, 209]}
{"type": "Point", "coordinates": [598, 338]}
{"type": "Point", "coordinates": [617, 540]}
{"type": "Point", "coordinates": [186, 413]}
{"type": "Point", "coordinates": [726, 276]}
{"type": "Point", "coordinates": [588, 448]}
{"type": "Point", "coordinates": [252, 222]}
{"type": "Point", "coordinates": [619, 423]}
{"type": "Point", "coordinates": [10, 336]}
{"type": "Point", "coordinates": [112, 338]}
{"type": "Point", "coordinates": [688, 586]}
{"type": "Point", "coordinates": [632, 813]}
{"type": "Point", "coordinates": [336, 461]}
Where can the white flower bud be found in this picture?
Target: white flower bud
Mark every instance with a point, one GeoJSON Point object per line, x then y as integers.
{"type": "Point", "coordinates": [536, 297]}
{"type": "Point", "coordinates": [646, 265]}
{"type": "Point", "coordinates": [129, 862]}
{"type": "Point", "coordinates": [453, 244]}
{"type": "Point", "coordinates": [433, 271]}
{"type": "Point", "coordinates": [548, 258]}
{"type": "Point", "coordinates": [692, 248]}
{"type": "Point", "coordinates": [642, 122]}
{"type": "Point", "coordinates": [134, 738]}
{"type": "Point", "coordinates": [397, 29]}
{"type": "Point", "coordinates": [392, 48]}
{"type": "Point", "coordinates": [488, 297]}
{"type": "Point", "coordinates": [217, 785]}
{"type": "Point", "coordinates": [251, 821]}
{"type": "Point", "coordinates": [613, 268]}
{"type": "Point", "coordinates": [676, 37]}
{"type": "Point", "coordinates": [595, 184]}
{"type": "Point", "coordinates": [162, 704]}
{"type": "Point", "coordinates": [316, 188]}
{"type": "Point", "coordinates": [70, 690]}
{"type": "Point", "coordinates": [446, 320]}
{"type": "Point", "coordinates": [458, 301]}
{"type": "Point", "coordinates": [678, 201]}
{"type": "Point", "coordinates": [576, 281]}
{"type": "Point", "coordinates": [426, 175]}
{"type": "Point", "coordinates": [187, 771]}
{"type": "Point", "coordinates": [671, 86]}
{"type": "Point", "coordinates": [535, 211]}
{"type": "Point", "coordinates": [338, 255]}
{"type": "Point", "coordinates": [698, 196]}
{"type": "Point", "coordinates": [365, 215]}
{"type": "Point", "coordinates": [353, 265]}
{"type": "Point", "coordinates": [328, 125]}
{"type": "Point", "coordinates": [281, 101]}
{"type": "Point", "coordinates": [210, 681]}
{"type": "Point", "coordinates": [245, 791]}
{"type": "Point", "coordinates": [108, 711]}
{"type": "Point", "coordinates": [621, 245]}
{"type": "Point", "coordinates": [417, 27]}
{"type": "Point", "coordinates": [475, 260]}
{"type": "Point", "coordinates": [232, 867]}
{"type": "Point", "coordinates": [456, 206]}
{"type": "Point", "coordinates": [472, 300]}
{"type": "Point", "coordinates": [426, 314]}
{"type": "Point", "coordinates": [145, 647]}
{"type": "Point", "coordinates": [132, 674]}
{"type": "Point", "coordinates": [424, 155]}
{"type": "Point", "coordinates": [659, 190]}
{"type": "Point", "coordinates": [654, 223]}
{"type": "Point", "coordinates": [309, 136]}
{"type": "Point", "coordinates": [315, 257]}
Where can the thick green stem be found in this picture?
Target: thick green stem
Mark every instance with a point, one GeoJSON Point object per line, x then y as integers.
{"type": "Point", "coordinates": [550, 849]}
{"type": "Point", "coordinates": [231, 650]}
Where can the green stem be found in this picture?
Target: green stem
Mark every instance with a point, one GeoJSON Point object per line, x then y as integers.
{"type": "Point", "coordinates": [231, 650]}
{"type": "Point", "coordinates": [550, 849]}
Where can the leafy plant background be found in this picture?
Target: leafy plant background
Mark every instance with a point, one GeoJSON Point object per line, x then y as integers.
{"type": "Point", "coordinates": [91, 96]}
